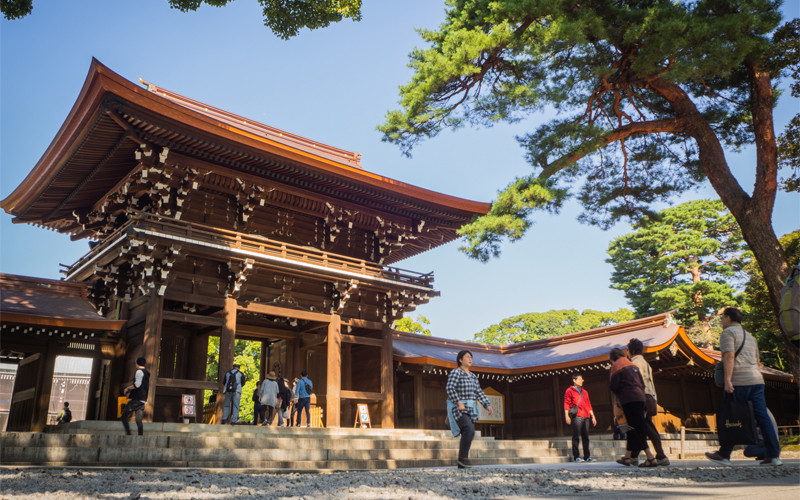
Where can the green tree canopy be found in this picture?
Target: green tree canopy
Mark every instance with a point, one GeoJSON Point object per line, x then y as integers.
{"type": "Point", "coordinates": [648, 95]}
{"type": "Point", "coordinates": [687, 257]}
{"type": "Point", "coordinates": [533, 326]}
{"type": "Point", "coordinates": [248, 354]}
{"type": "Point", "coordinates": [285, 18]}
{"type": "Point", "coordinates": [758, 317]}
{"type": "Point", "coordinates": [413, 326]}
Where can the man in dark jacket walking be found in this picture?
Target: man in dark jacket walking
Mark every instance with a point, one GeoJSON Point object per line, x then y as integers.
{"type": "Point", "coordinates": [137, 396]}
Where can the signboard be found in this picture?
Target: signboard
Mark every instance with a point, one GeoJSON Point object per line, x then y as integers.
{"type": "Point", "coordinates": [497, 400]}
{"type": "Point", "coordinates": [187, 405]}
{"type": "Point", "coordinates": [362, 416]}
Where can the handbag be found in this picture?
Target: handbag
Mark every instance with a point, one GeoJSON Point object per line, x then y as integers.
{"type": "Point", "coordinates": [719, 368]}
{"type": "Point", "coordinates": [573, 410]}
{"type": "Point", "coordinates": [650, 406]}
{"type": "Point", "coordinates": [736, 423]}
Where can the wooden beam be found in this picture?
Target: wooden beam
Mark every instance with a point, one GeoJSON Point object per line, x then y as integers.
{"type": "Point", "coordinates": [387, 379]}
{"type": "Point", "coordinates": [353, 339]}
{"type": "Point", "coordinates": [361, 395]}
{"type": "Point", "coordinates": [152, 347]}
{"type": "Point", "coordinates": [362, 323]}
{"type": "Point", "coordinates": [309, 340]}
{"type": "Point", "coordinates": [334, 375]}
{"type": "Point", "coordinates": [177, 383]}
{"type": "Point", "coordinates": [197, 319]}
{"type": "Point", "coordinates": [226, 342]}
{"type": "Point", "coordinates": [191, 298]}
{"type": "Point", "coordinates": [285, 312]}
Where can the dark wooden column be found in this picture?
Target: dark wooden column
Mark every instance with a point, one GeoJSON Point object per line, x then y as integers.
{"type": "Point", "coordinates": [334, 377]}
{"type": "Point", "coordinates": [419, 409]}
{"type": "Point", "coordinates": [152, 347]}
{"type": "Point", "coordinates": [227, 339]}
{"type": "Point", "coordinates": [559, 406]}
{"type": "Point", "coordinates": [387, 379]}
{"type": "Point", "coordinates": [41, 402]}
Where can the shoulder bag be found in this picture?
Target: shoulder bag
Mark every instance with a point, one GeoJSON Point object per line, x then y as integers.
{"type": "Point", "coordinates": [719, 368]}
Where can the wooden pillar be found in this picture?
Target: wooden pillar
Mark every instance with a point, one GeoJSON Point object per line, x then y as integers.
{"type": "Point", "coordinates": [559, 406]}
{"type": "Point", "coordinates": [227, 339]}
{"type": "Point", "coordinates": [47, 364]}
{"type": "Point", "coordinates": [152, 347]}
{"type": "Point", "coordinates": [334, 375]}
{"type": "Point", "coordinates": [265, 360]}
{"type": "Point", "coordinates": [419, 409]}
{"type": "Point", "coordinates": [387, 379]}
{"type": "Point", "coordinates": [96, 382]}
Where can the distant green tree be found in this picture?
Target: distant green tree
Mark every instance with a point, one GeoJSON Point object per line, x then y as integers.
{"type": "Point", "coordinates": [758, 316]}
{"type": "Point", "coordinates": [284, 17]}
{"type": "Point", "coordinates": [534, 326]}
{"type": "Point", "coordinates": [248, 354]}
{"type": "Point", "coordinates": [688, 257]}
{"type": "Point", "coordinates": [411, 326]}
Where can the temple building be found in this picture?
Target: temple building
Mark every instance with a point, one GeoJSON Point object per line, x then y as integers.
{"type": "Point", "coordinates": [206, 224]}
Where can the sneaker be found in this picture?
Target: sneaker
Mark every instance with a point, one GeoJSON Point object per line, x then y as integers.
{"type": "Point", "coordinates": [662, 461]}
{"type": "Point", "coordinates": [590, 459]}
{"type": "Point", "coordinates": [716, 457]}
{"type": "Point", "coordinates": [771, 461]}
{"type": "Point", "coordinates": [578, 459]}
{"type": "Point", "coordinates": [463, 463]}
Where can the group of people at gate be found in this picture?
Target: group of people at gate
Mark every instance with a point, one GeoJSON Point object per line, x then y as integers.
{"type": "Point", "coordinates": [271, 397]}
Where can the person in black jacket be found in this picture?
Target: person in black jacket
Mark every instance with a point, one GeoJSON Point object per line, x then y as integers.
{"type": "Point", "coordinates": [137, 395]}
{"type": "Point", "coordinates": [627, 385]}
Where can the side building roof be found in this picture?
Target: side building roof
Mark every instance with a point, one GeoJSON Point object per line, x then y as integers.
{"type": "Point", "coordinates": [589, 349]}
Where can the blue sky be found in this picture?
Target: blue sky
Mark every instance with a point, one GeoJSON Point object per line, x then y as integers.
{"type": "Point", "coordinates": [332, 85]}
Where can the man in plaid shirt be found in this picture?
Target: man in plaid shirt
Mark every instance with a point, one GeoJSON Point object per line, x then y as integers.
{"type": "Point", "coordinates": [463, 390]}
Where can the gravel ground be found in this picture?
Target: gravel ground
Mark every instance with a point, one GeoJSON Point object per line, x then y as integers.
{"type": "Point", "coordinates": [603, 479]}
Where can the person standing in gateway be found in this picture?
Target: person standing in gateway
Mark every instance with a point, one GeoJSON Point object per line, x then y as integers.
{"type": "Point", "coordinates": [233, 383]}
{"type": "Point", "coordinates": [137, 395]}
{"type": "Point", "coordinates": [577, 412]}
{"type": "Point", "coordinates": [304, 389]}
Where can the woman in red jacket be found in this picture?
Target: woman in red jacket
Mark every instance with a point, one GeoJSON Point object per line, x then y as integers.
{"type": "Point", "coordinates": [577, 412]}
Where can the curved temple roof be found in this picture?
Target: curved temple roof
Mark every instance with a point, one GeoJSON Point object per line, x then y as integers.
{"type": "Point", "coordinates": [94, 150]}
{"type": "Point", "coordinates": [567, 351]}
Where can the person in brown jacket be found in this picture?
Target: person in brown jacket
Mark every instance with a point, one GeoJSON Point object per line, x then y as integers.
{"type": "Point", "coordinates": [628, 388]}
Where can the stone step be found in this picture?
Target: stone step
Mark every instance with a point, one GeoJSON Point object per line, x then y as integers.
{"type": "Point", "coordinates": [254, 447]}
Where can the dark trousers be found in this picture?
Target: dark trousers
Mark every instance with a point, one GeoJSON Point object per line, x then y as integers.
{"type": "Point", "coordinates": [467, 427]}
{"type": "Point", "coordinates": [580, 431]}
{"type": "Point", "coordinates": [637, 437]}
{"type": "Point", "coordinates": [137, 408]}
{"type": "Point", "coordinates": [755, 394]}
{"type": "Point", "coordinates": [266, 412]}
{"type": "Point", "coordinates": [304, 403]}
{"type": "Point", "coordinates": [258, 415]}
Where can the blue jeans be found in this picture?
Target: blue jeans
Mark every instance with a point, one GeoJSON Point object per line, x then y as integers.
{"type": "Point", "coordinates": [304, 403]}
{"type": "Point", "coordinates": [231, 406]}
{"type": "Point", "coordinates": [755, 394]}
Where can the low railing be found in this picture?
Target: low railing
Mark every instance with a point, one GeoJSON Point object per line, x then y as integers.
{"type": "Point", "coordinates": [145, 222]}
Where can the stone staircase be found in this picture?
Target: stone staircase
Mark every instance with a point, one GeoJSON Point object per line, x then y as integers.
{"type": "Point", "coordinates": [172, 445]}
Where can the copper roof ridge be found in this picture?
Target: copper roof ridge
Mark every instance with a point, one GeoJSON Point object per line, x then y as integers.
{"type": "Point", "coordinates": [348, 157]}
{"type": "Point", "coordinates": [43, 285]}
{"type": "Point", "coordinates": [662, 319]}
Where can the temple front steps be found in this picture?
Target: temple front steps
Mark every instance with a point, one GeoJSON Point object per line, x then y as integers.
{"type": "Point", "coordinates": [101, 443]}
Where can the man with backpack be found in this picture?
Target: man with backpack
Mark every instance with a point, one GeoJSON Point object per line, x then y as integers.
{"type": "Point", "coordinates": [233, 382]}
{"type": "Point", "coordinates": [304, 391]}
{"type": "Point", "coordinates": [65, 415]}
{"type": "Point", "coordinates": [137, 397]}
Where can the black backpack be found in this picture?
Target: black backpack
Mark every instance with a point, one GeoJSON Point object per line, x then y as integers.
{"type": "Point", "coordinates": [230, 386]}
{"type": "Point", "coordinates": [67, 417]}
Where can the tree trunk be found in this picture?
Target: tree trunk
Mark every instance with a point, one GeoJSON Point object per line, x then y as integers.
{"type": "Point", "coordinates": [753, 214]}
